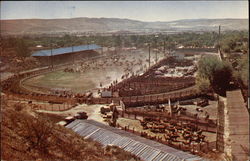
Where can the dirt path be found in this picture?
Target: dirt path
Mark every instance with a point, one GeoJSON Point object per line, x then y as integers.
{"type": "Point", "coordinates": [93, 112]}
{"type": "Point", "coordinates": [96, 115]}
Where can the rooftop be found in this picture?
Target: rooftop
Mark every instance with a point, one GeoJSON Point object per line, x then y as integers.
{"type": "Point", "coordinates": [65, 50]}
{"type": "Point", "coordinates": [143, 148]}
{"type": "Point", "coordinates": [238, 125]}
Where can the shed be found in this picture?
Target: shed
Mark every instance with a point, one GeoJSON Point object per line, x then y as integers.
{"type": "Point", "coordinates": [145, 149]}
{"type": "Point", "coordinates": [106, 94]}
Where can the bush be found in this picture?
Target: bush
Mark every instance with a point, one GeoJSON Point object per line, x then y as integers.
{"type": "Point", "coordinates": [37, 134]}
{"type": "Point", "coordinates": [204, 85]}
{"type": "Point", "coordinates": [21, 48]}
{"type": "Point", "coordinates": [18, 107]}
{"type": "Point", "coordinates": [243, 73]}
{"type": "Point", "coordinates": [104, 110]}
{"type": "Point", "coordinates": [222, 77]}
{"type": "Point", "coordinates": [219, 73]}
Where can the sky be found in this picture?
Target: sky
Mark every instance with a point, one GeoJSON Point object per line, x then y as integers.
{"type": "Point", "coordinates": [137, 10]}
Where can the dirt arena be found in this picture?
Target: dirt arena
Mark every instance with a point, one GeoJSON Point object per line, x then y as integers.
{"type": "Point", "coordinates": [101, 71]}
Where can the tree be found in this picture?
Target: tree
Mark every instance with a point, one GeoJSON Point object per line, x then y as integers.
{"type": "Point", "coordinates": [242, 74]}
{"type": "Point", "coordinates": [37, 134]}
{"type": "Point", "coordinates": [8, 42]}
{"type": "Point", "coordinates": [219, 73]}
{"type": "Point", "coordinates": [207, 65]}
{"type": "Point", "coordinates": [204, 85]}
{"type": "Point", "coordinates": [233, 41]}
{"type": "Point", "coordinates": [222, 77]}
{"type": "Point", "coordinates": [21, 48]}
{"type": "Point", "coordinates": [118, 41]}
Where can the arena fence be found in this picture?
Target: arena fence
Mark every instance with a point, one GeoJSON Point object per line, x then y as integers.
{"type": "Point", "coordinates": [38, 105]}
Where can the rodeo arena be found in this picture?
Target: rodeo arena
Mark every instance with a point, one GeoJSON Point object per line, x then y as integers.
{"type": "Point", "coordinates": [143, 101]}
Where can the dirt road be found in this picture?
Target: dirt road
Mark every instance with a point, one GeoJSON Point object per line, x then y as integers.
{"type": "Point", "coordinates": [93, 112]}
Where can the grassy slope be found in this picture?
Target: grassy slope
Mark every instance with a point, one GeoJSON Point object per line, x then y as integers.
{"type": "Point", "coordinates": [27, 137]}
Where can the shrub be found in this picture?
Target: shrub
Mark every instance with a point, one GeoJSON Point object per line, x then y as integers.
{"type": "Point", "coordinates": [18, 107]}
{"type": "Point", "coordinates": [243, 72]}
{"type": "Point", "coordinates": [37, 134]}
{"type": "Point", "coordinates": [21, 48]}
{"type": "Point", "coordinates": [219, 73]}
{"type": "Point", "coordinates": [204, 85]}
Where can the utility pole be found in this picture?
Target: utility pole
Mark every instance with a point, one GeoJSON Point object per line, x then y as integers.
{"type": "Point", "coordinates": [72, 38]}
{"type": "Point", "coordinates": [73, 54]}
{"type": "Point", "coordinates": [72, 49]}
{"type": "Point", "coordinates": [164, 47]}
{"type": "Point", "coordinates": [102, 45]}
{"type": "Point", "coordinates": [148, 55]}
{"type": "Point", "coordinates": [219, 39]}
{"type": "Point", "coordinates": [219, 48]}
{"type": "Point", "coordinates": [102, 41]}
{"type": "Point", "coordinates": [72, 41]}
{"type": "Point", "coordinates": [51, 56]}
{"type": "Point", "coordinates": [156, 36]}
{"type": "Point", "coordinates": [156, 58]}
{"type": "Point", "coordinates": [87, 37]}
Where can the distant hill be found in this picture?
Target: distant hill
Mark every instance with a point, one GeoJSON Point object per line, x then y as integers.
{"type": "Point", "coordinates": [107, 25]}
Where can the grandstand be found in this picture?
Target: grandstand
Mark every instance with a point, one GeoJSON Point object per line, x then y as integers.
{"type": "Point", "coordinates": [62, 55]}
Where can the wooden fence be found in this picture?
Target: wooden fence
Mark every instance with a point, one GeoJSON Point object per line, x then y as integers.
{"type": "Point", "coordinates": [39, 105]}
{"type": "Point", "coordinates": [202, 123]}
{"type": "Point", "coordinates": [220, 126]}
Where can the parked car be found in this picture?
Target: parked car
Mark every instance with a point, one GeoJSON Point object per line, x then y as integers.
{"type": "Point", "coordinates": [81, 115]}
{"type": "Point", "coordinates": [203, 103]}
{"type": "Point", "coordinates": [104, 110]}
{"type": "Point", "coordinates": [69, 119]}
{"type": "Point", "coordinates": [62, 123]}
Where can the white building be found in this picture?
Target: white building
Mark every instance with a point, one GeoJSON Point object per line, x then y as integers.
{"type": "Point", "coordinates": [106, 94]}
{"type": "Point", "coordinates": [177, 55]}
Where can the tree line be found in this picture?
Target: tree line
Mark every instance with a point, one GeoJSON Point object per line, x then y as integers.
{"type": "Point", "coordinates": [229, 41]}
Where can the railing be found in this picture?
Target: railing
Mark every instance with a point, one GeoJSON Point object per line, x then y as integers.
{"type": "Point", "coordinates": [220, 145]}
{"type": "Point", "coordinates": [150, 99]}
{"type": "Point", "coordinates": [39, 104]}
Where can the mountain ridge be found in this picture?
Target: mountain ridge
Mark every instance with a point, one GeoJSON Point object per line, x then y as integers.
{"type": "Point", "coordinates": [107, 25]}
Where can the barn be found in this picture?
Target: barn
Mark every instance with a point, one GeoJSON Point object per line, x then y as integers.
{"type": "Point", "coordinates": [66, 54]}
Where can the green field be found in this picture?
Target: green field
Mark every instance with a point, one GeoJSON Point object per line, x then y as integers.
{"type": "Point", "coordinates": [77, 82]}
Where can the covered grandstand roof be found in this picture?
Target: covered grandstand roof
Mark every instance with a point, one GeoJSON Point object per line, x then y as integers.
{"type": "Point", "coordinates": [145, 149]}
{"type": "Point", "coordinates": [60, 51]}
